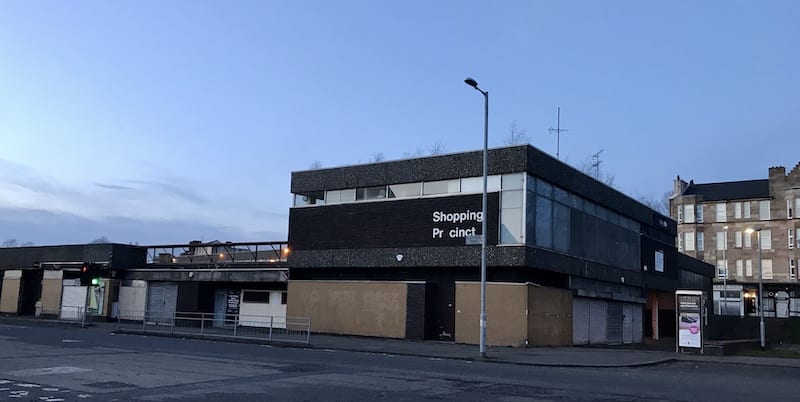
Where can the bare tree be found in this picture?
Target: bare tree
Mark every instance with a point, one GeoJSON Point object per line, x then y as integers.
{"type": "Point", "coordinates": [377, 157]}
{"type": "Point", "coordinates": [9, 243]}
{"type": "Point", "coordinates": [437, 149]}
{"type": "Point", "coordinates": [586, 166]}
{"type": "Point", "coordinates": [99, 240]}
{"type": "Point", "coordinates": [415, 153]}
{"type": "Point", "coordinates": [516, 135]}
{"type": "Point", "coordinates": [660, 205]}
{"type": "Point", "coordinates": [315, 165]}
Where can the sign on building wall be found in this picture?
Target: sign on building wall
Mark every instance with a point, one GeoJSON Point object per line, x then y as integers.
{"type": "Point", "coordinates": [232, 302]}
{"type": "Point", "coordinates": [426, 222]}
{"type": "Point", "coordinates": [690, 316]}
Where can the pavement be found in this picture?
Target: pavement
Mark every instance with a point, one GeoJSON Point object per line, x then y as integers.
{"type": "Point", "coordinates": [575, 356]}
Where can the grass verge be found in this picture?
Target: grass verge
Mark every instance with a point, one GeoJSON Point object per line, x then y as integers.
{"type": "Point", "coordinates": [784, 354]}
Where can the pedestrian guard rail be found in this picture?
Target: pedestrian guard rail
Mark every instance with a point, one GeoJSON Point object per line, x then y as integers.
{"type": "Point", "coordinates": [67, 314]}
{"type": "Point", "coordinates": [231, 326]}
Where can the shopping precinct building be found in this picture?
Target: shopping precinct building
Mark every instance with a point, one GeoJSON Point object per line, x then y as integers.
{"type": "Point", "coordinates": [380, 249]}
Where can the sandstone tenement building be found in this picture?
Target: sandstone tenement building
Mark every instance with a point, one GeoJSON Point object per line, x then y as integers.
{"type": "Point", "coordinates": [720, 223]}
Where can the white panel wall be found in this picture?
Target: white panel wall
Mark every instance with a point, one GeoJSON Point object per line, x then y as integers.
{"type": "Point", "coordinates": [73, 301]}
{"type": "Point", "coordinates": [132, 299]}
{"type": "Point", "coordinates": [258, 314]}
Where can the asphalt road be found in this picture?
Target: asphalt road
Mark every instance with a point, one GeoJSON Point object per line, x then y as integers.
{"type": "Point", "coordinates": [51, 363]}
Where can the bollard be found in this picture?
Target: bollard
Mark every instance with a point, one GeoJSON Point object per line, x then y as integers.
{"type": "Point", "coordinates": [271, 323]}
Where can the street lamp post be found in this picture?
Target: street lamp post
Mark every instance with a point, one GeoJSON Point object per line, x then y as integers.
{"type": "Point", "coordinates": [724, 278]}
{"type": "Point", "coordinates": [471, 82]}
{"type": "Point", "coordinates": [761, 329]}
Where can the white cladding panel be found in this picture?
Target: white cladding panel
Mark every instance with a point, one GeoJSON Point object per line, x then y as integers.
{"type": "Point", "coordinates": [73, 301]}
{"type": "Point", "coordinates": [133, 299]}
{"type": "Point", "coordinates": [262, 313]}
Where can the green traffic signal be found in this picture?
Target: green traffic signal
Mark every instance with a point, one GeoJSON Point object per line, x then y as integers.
{"type": "Point", "coordinates": [95, 281]}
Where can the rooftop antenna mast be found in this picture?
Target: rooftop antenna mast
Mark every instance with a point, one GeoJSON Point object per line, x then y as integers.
{"type": "Point", "coordinates": [558, 130]}
{"type": "Point", "coordinates": [596, 164]}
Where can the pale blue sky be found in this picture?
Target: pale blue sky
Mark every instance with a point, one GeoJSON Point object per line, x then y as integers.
{"type": "Point", "coordinates": [167, 121]}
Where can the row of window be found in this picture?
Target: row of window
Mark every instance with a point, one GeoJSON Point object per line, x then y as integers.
{"type": "Point", "coordinates": [691, 213]}
{"type": "Point", "coordinates": [564, 197]}
{"type": "Point", "coordinates": [565, 222]}
{"type": "Point", "coordinates": [744, 268]}
{"type": "Point", "coordinates": [409, 190]}
{"type": "Point", "coordinates": [691, 241]}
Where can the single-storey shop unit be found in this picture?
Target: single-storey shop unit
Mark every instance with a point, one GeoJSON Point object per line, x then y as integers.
{"type": "Point", "coordinates": [381, 249]}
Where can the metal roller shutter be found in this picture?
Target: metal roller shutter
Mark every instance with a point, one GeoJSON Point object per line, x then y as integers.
{"type": "Point", "coordinates": [162, 299]}
{"type": "Point", "coordinates": [597, 321]}
{"type": "Point", "coordinates": [636, 322]}
{"type": "Point", "coordinates": [614, 323]}
{"type": "Point", "coordinates": [580, 321]}
{"type": "Point", "coordinates": [627, 322]}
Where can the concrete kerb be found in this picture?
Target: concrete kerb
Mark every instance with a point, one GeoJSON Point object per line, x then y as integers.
{"type": "Point", "coordinates": [489, 359]}
{"type": "Point", "coordinates": [273, 342]}
{"type": "Point", "coordinates": [389, 352]}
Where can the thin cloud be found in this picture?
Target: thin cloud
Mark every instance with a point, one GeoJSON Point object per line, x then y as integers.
{"type": "Point", "coordinates": [28, 178]}
{"type": "Point", "coordinates": [171, 189]}
{"type": "Point", "coordinates": [114, 187]}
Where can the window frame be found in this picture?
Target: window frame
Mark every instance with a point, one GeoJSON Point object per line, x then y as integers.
{"type": "Point", "coordinates": [721, 212]}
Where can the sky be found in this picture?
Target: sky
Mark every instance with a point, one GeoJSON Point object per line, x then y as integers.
{"type": "Point", "coordinates": [167, 121]}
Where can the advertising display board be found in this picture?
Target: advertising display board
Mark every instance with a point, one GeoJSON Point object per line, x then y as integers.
{"type": "Point", "coordinates": [232, 302]}
{"type": "Point", "coordinates": [690, 316]}
{"type": "Point", "coordinates": [444, 221]}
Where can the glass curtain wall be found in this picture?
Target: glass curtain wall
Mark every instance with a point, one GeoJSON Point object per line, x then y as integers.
{"type": "Point", "coordinates": [564, 222]}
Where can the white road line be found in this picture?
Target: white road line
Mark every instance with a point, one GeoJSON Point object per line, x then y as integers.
{"type": "Point", "coordinates": [48, 371]}
{"type": "Point", "coordinates": [71, 341]}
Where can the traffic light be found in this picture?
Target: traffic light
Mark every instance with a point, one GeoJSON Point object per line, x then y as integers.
{"type": "Point", "coordinates": [85, 279]}
{"type": "Point", "coordinates": [90, 274]}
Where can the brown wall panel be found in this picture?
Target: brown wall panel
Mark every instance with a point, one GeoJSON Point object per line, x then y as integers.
{"type": "Point", "coordinates": [51, 293]}
{"type": "Point", "coordinates": [354, 308]}
{"type": "Point", "coordinates": [506, 318]}
{"type": "Point", "coordinates": [9, 297]}
{"type": "Point", "coordinates": [550, 316]}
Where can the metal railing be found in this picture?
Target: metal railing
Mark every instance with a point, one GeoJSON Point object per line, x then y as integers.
{"type": "Point", "coordinates": [67, 314]}
{"type": "Point", "coordinates": [232, 326]}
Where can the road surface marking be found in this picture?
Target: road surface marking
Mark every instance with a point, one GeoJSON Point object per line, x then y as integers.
{"type": "Point", "coordinates": [71, 341]}
{"type": "Point", "coordinates": [48, 371]}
